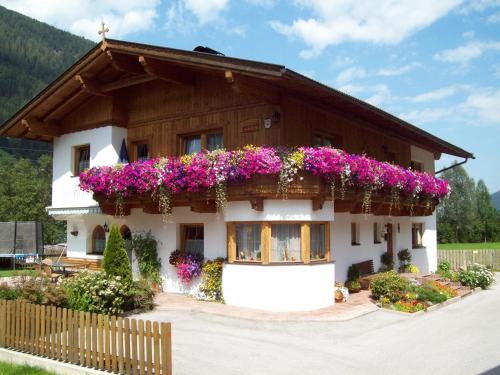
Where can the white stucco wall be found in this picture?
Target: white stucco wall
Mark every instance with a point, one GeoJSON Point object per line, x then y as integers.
{"type": "Point", "coordinates": [423, 156]}
{"type": "Point", "coordinates": [105, 146]}
{"type": "Point", "coordinates": [279, 287]}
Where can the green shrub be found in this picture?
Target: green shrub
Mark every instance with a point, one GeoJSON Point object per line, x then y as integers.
{"type": "Point", "coordinates": [390, 285]}
{"type": "Point", "coordinates": [145, 248]}
{"type": "Point", "coordinates": [477, 275]}
{"type": "Point", "coordinates": [115, 261]}
{"type": "Point", "coordinates": [404, 257]}
{"type": "Point", "coordinates": [444, 266]}
{"type": "Point", "coordinates": [211, 280]}
{"type": "Point", "coordinates": [428, 294]}
{"type": "Point", "coordinates": [141, 296]}
{"type": "Point", "coordinates": [98, 292]}
{"type": "Point", "coordinates": [354, 286]}
{"type": "Point", "coordinates": [412, 269]}
{"type": "Point", "coordinates": [387, 261]}
{"type": "Point", "coordinates": [353, 273]}
{"type": "Point", "coordinates": [9, 293]}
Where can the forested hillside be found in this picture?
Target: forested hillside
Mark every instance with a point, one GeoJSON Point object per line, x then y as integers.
{"type": "Point", "coordinates": [495, 199]}
{"type": "Point", "coordinates": [32, 54]}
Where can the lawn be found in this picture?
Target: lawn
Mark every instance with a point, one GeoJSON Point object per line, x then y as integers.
{"type": "Point", "coordinates": [459, 246]}
{"type": "Point", "coordinates": [10, 369]}
{"type": "Point", "coordinates": [10, 273]}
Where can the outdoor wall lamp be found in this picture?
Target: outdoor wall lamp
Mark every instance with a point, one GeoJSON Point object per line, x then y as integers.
{"type": "Point", "coordinates": [74, 233]}
{"type": "Point", "coordinates": [105, 227]}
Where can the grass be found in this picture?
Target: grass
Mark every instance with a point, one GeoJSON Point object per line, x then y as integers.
{"type": "Point", "coordinates": [10, 273]}
{"type": "Point", "coordinates": [460, 246]}
{"type": "Point", "coordinates": [10, 369]}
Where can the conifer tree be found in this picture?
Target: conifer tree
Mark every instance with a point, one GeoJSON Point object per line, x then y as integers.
{"type": "Point", "coordinates": [115, 261]}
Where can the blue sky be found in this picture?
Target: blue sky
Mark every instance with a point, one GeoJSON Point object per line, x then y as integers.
{"type": "Point", "coordinates": [435, 63]}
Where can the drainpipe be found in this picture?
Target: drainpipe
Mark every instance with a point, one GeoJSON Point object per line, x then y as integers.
{"type": "Point", "coordinates": [453, 166]}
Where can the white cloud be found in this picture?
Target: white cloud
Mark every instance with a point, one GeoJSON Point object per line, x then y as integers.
{"type": "Point", "coordinates": [206, 10]}
{"type": "Point", "coordinates": [84, 17]}
{"type": "Point", "coordinates": [464, 54]}
{"type": "Point", "coordinates": [381, 22]}
{"type": "Point", "coordinates": [468, 34]}
{"type": "Point", "coordinates": [439, 94]}
{"type": "Point", "coordinates": [341, 61]}
{"type": "Point", "coordinates": [479, 108]}
{"type": "Point", "coordinates": [478, 6]}
{"type": "Point", "coordinates": [494, 18]}
{"type": "Point", "coordinates": [374, 94]}
{"type": "Point", "coordinates": [261, 3]}
{"type": "Point", "coordinates": [350, 74]}
{"type": "Point", "coordinates": [396, 71]}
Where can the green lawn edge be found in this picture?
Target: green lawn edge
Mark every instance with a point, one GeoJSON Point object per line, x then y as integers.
{"type": "Point", "coordinates": [13, 369]}
{"type": "Point", "coordinates": [467, 246]}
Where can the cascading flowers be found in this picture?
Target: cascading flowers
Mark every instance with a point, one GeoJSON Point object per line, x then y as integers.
{"type": "Point", "coordinates": [164, 177]}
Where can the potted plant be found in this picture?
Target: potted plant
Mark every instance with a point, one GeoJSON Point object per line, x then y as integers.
{"type": "Point", "coordinates": [354, 286]}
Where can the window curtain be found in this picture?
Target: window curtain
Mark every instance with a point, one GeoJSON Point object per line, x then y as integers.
{"type": "Point", "coordinates": [318, 241]}
{"type": "Point", "coordinates": [84, 160]}
{"type": "Point", "coordinates": [248, 242]}
{"type": "Point", "coordinates": [215, 141]}
{"type": "Point", "coordinates": [194, 240]}
{"type": "Point", "coordinates": [142, 151]}
{"type": "Point", "coordinates": [193, 145]}
{"type": "Point", "coordinates": [285, 243]}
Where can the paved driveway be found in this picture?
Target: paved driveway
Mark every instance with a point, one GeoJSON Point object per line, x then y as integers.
{"type": "Point", "coordinates": [463, 338]}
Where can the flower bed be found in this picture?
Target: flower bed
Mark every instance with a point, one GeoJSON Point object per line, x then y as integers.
{"type": "Point", "coordinates": [162, 177]}
{"type": "Point", "coordinates": [396, 293]}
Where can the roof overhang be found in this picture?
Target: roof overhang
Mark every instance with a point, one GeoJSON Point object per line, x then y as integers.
{"type": "Point", "coordinates": [126, 63]}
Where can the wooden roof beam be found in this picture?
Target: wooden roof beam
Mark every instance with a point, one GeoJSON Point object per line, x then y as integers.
{"type": "Point", "coordinates": [244, 86]}
{"type": "Point", "coordinates": [39, 128]}
{"type": "Point", "coordinates": [167, 72]}
{"type": "Point", "coordinates": [123, 63]}
{"type": "Point", "coordinates": [90, 85]}
{"type": "Point", "coordinates": [126, 82]}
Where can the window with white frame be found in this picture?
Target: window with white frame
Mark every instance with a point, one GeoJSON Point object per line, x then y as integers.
{"type": "Point", "coordinates": [417, 234]}
{"type": "Point", "coordinates": [355, 234]}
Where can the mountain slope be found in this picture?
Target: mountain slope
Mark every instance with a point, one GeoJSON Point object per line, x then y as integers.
{"type": "Point", "coordinates": [495, 200]}
{"type": "Point", "coordinates": [32, 54]}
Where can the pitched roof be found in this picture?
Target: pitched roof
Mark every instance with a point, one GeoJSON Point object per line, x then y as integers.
{"type": "Point", "coordinates": [65, 89]}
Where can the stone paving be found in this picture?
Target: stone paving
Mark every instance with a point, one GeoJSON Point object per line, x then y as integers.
{"type": "Point", "coordinates": [358, 304]}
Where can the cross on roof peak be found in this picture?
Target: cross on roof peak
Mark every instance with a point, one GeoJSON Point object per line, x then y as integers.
{"type": "Point", "coordinates": [103, 31]}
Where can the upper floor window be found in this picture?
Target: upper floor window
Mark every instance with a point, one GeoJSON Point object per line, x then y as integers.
{"type": "Point", "coordinates": [330, 140]}
{"type": "Point", "coordinates": [194, 143]}
{"type": "Point", "coordinates": [142, 151]}
{"type": "Point", "coordinates": [81, 159]}
{"type": "Point", "coordinates": [417, 166]}
{"type": "Point", "coordinates": [417, 233]}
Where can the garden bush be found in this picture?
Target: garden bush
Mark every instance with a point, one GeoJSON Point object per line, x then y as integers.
{"type": "Point", "coordinates": [211, 284]}
{"type": "Point", "coordinates": [98, 292]}
{"type": "Point", "coordinates": [390, 285]}
{"type": "Point", "coordinates": [145, 248]}
{"type": "Point", "coordinates": [115, 260]}
{"type": "Point", "coordinates": [141, 296]}
{"type": "Point", "coordinates": [412, 269]}
{"type": "Point", "coordinates": [387, 262]}
{"type": "Point", "coordinates": [353, 273]}
{"type": "Point", "coordinates": [477, 275]}
{"type": "Point", "coordinates": [404, 257]}
{"type": "Point", "coordinates": [427, 294]}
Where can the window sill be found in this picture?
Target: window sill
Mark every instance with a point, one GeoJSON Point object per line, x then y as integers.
{"type": "Point", "coordinates": [248, 261]}
{"type": "Point", "coordinates": [377, 242]}
{"type": "Point", "coordinates": [418, 247]}
{"type": "Point", "coordinates": [311, 263]}
{"type": "Point", "coordinates": [355, 244]}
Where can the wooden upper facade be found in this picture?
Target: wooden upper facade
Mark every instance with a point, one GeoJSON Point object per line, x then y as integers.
{"type": "Point", "coordinates": [165, 96]}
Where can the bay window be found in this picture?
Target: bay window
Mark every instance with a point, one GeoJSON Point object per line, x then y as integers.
{"type": "Point", "coordinates": [248, 242]}
{"type": "Point", "coordinates": [278, 242]}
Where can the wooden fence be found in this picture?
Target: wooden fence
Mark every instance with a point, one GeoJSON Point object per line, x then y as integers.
{"type": "Point", "coordinates": [119, 345]}
{"type": "Point", "coordinates": [460, 258]}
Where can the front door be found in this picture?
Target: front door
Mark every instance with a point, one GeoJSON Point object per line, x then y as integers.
{"type": "Point", "coordinates": [390, 249]}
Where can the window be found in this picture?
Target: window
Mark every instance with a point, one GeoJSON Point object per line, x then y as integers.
{"type": "Point", "coordinates": [417, 232]}
{"type": "Point", "coordinates": [215, 141]}
{"type": "Point", "coordinates": [417, 166]}
{"type": "Point", "coordinates": [355, 234]}
{"type": "Point", "coordinates": [285, 243]}
{"type": "Point", "coordinates": [277, 242]}
{"type": "Point", "coordinates": [194, 143]}
{"type": "Point", "coordinates": [126, 233]}
{"type": "Point", "coordinates": [98, 240]}
{"type": "Point", "coordinates": [318, 241]}
{"type": "Point", "coordinates": [81, 159]}
{"type": "Point", "coordinates": [376, 233]}
{"type": "Point", "coordinates": [192, 238]}
{"type": "Point", "coordinates": [248, 240]}
{"type": "Point", "coordinates": [319, 140]}
{"type": "Point", "coordinates": [142, 151]}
